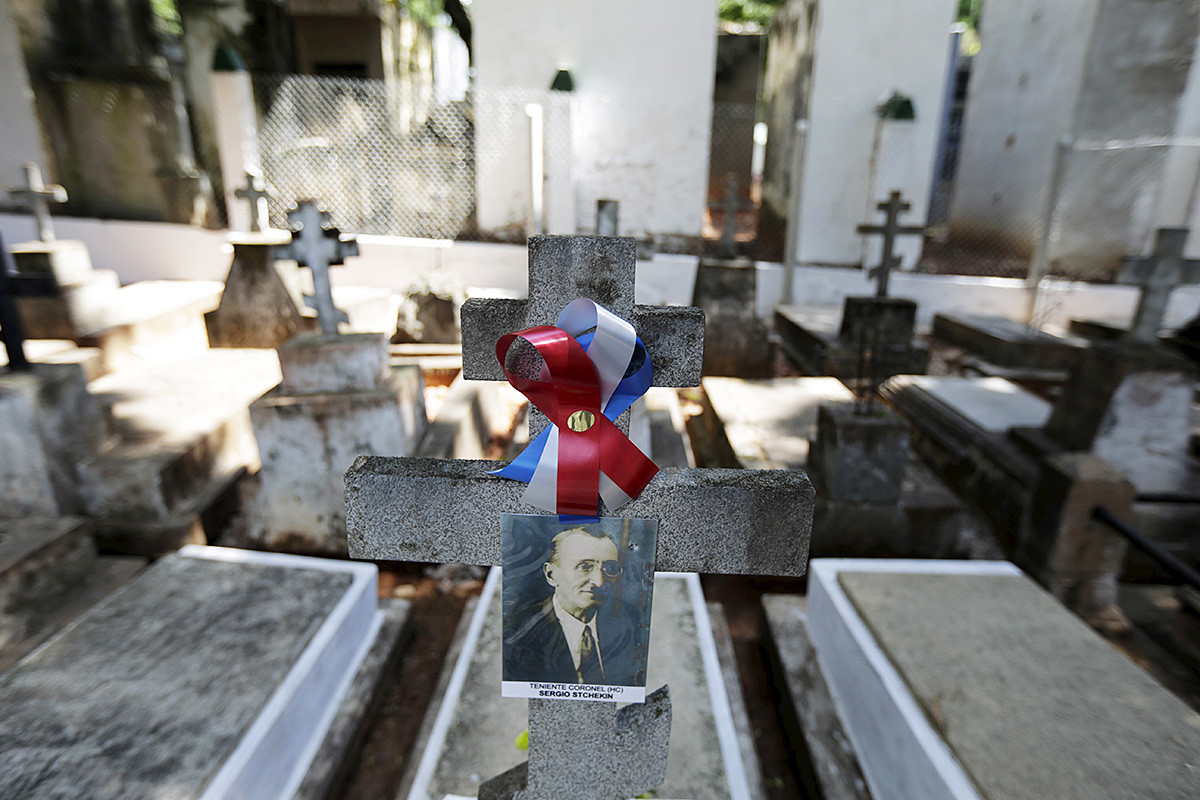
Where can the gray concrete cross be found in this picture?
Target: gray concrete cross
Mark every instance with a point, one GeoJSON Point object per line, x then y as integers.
{"type": "Point", "coordinates": [318, 245]}
{"type": "Point", "coordinates": [710, 520]}
{"type": "Point", "coordinates": [38, 197]}
{"type": "Point", "coordinates": [1157, 275]}
{"type": "Point", "coordinates": [731, 206]}
{"type": "Point", "coordinates": [256, 192]}
{"type": "Point", "coordinates": [891, 228]}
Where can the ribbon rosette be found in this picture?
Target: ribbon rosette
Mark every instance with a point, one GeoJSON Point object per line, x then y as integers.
{"type": "Point", "coordinates": [595, 366]}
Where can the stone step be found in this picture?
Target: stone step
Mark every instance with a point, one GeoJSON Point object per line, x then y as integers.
{"type": "Point", "coordinates": [62, 351]}
{"type": "Point", "coordinates": [152, 319]}
{"type": "Point", "coordinates": [185, 439]}
{"type": "Point", "coordinates": [217, 673]}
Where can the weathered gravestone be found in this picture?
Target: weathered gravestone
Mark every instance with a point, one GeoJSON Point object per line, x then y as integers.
{"type": "Point", "coordinates": [339, 397]}
{"type": "Point", "coordinates": [722, 520]}
{"type": "Point", "coordinates": [730, 205]}
{"type": "Point", "coordinates": [261, 304]}
{"type": "Point", "coordinates": [218, 673]}
{"type": "Point", "coordinates": [875, 337]}
{"type": "Point", "coordinates": [945, 680]}
{"type": "Point", "coordinates": [73, 295]}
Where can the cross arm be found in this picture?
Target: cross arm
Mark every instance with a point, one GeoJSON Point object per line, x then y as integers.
{"type": "Point", "coordinates": [729, 521]}
{"type": "Point", "coordinates": [673, 335]}
{"type": "Point", "coordinates": [915, 230]}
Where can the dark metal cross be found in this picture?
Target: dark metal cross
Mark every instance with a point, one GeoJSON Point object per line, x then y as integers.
{"type": "Point", "coordinates": [38, 197]}
{"type": "Point", "coordinates": [256, 192]}
{"type": "Point", "coordinates": [891, 228]}
{"type": "Point", "coordinates": [731, 205]}
{"type": "Point", "coordinates": [1157, 275]}
{"type": "Point", "coordinates": [709, 520]}
{"type": "Point", "coordinates": [13, 286]}
{"type": "Point", "coordinates": [318, 245]}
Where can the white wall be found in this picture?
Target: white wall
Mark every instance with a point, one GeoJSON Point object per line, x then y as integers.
{"type": "Point", "coordinates": [1021, 100]}
{"type": "Point", "coordinates": [644, 80]}
{"type": "Point", "coordinates": [864, 50]}
{"type": "Point", "coordinates": [19, 129]}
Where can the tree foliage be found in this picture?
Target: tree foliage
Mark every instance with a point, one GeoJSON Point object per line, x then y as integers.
{"type": "Point", "coordinates": [758, 11]}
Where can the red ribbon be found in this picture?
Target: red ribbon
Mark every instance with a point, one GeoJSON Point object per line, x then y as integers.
{"type": "Point", "coordinates": [582, 455]}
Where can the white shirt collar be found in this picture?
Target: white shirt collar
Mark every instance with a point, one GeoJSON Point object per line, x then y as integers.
{"type": "Point", "coordinates": [573, 630]}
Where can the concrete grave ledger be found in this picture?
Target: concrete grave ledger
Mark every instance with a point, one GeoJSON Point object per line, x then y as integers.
{"type": "Point", "coordinates": [216, 674]}
{"type": "Point", "coordinates": [966, 680]}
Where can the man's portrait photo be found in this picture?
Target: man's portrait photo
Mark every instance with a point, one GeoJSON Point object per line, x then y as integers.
{"type": "Point", "coordinates": [577, 599]}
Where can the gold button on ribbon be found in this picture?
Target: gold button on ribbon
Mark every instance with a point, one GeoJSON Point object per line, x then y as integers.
{"type": "Point", "coordinates": [581, 420]}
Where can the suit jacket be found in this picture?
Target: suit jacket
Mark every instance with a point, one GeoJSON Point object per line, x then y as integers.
{"type": "Point", "coordinates": [537, 649]}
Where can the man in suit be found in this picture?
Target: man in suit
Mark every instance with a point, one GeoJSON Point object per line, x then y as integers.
{"type": "Point", "coordinates": [571, 637]}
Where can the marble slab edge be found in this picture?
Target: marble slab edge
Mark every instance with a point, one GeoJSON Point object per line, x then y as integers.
{"type": "Point", "coordinates": [331, 767]}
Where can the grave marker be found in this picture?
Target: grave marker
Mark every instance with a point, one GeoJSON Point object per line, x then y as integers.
{"type": "Point", "coordinates": [1157, 275]}
{"type": "Point", "coordinates": [13, 286]}
{"type": "Point", "coordinates": [890, 229]}
{"type": "Point", "coordinates": [607, 215]}
{"type": "Point", "coordinates": [255, 191]}
{"type": "Point", "coordinates": [318, 245]}
{"type": "Point", "coordinates": [728, 520]}
{"type": "Point", "coordinates": [731, 206]}
{"type": "Point", "coordinates": [37, 196]}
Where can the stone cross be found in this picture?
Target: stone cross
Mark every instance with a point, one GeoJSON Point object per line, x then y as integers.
{"type": "Point", "coordinates": [318, 245]}
{"type": "Point", "coordinates": [13, 286]}
{"type": "Point", "coordinates": [256, 192]}
{"type": "Point", "coordinates": [38, 197]}
{"type": "Point", "coordinates": [731, 206]}
{"type": "Point", "coordinates": [1157, 275]}
{"type": "Point", "coordinates": [709, 520]}
{"type": "Point", "coordinates": [891, 228]}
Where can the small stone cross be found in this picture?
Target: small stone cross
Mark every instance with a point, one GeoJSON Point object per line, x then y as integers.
{"type": "Point", "coordinates": [709, 520]}
{"type": "Point", "coordinates": [318, 245]}
{"type": "Point", "coordinates": [256, 192]}
{"type": "Point", "coordinates": [731, 206]}
{"type": "Point", "coordinates": [891, 228]}
{"type": "Point", "coordinates": [1157, 275]}
{"type": "Point", "coordinates": [12, 286]}
{"type": "Point", "coordinates": [38, 197]}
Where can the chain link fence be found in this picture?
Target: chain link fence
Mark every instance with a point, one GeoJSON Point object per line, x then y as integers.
{"type": "Point", "coordinates": [347, 142]}
{"type": "Point", "coordinates": [1102, 200]}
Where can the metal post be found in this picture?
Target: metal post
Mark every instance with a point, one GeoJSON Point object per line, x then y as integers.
{"type": "Point", "coordinates": [537, 163]}
{"type": "Point", "coordinates": [1037, 266]}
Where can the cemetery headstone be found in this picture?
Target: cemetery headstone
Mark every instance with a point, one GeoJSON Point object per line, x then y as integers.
{"type": "Point", "coordinates": [12, 286]}
{"type": "Point", "coordinates": [38, 196]}
{"type": "Point", "coordinates": [261, 302]}
{"type": "Point", "coordinates": [1129, 402]}
{"type": "Point", "coordinates": [875, 337]}
{"type": "Point", "coordinates": [430, 510]}
{"type": "Point", "coordinates": [339, 397]}
{"type": "Point", "coordinates": [729, 206]}
{"type": "Point", "coordinates": [318, 245]}
{"type": "Point", "coordinates": [429, 312]}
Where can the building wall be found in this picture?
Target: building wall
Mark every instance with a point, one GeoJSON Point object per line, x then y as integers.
{"type": "Point", "coordinates": [639, 131]}
{"type": "Point", "coordinates": [865, 50]}
{"type": "Point", "coordinates": [18, 123]}
{"type": "Point", "coordinates": [1080, 69]}
{"type": "Point", "coordinates": [787, 82]}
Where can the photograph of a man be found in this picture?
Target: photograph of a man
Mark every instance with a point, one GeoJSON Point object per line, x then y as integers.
{"type": "Point", "coordinates": [577, 600]}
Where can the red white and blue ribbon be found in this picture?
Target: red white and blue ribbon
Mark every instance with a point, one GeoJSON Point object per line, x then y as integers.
{"type": "Point", "coordinates": [593, 362]}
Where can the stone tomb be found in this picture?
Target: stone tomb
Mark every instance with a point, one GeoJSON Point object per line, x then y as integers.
{"type": "Point", "coordinates": [216, 674]}
{"type": "Point", "coordinates": [339, 398]}
{"type": "Point", "coordinates": [921, 680]}
{"type": "Point", "coordinates": [469, 734]}
{"type": "Point", "coordinates": [1005, 348]}
{"type": "Point", "coordinates": [736, 342]}
{"type": "Point", "coordinates": [819, 342]}
{"type": "Point", "coordinates": [872, 498]}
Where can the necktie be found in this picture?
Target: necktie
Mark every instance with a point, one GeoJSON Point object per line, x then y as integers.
{"type": "Point", "coordinates": [590, 670]}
